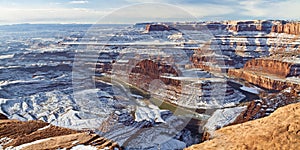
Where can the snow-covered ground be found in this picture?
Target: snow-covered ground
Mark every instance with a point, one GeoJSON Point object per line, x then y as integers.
{"type": "Point", "coordinates": [254, 90]}
{"type": "Point", "coordinates": [222, 117]}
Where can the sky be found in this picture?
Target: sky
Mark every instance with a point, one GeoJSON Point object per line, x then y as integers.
{"type": "Point", "coordinates": [131, 11]}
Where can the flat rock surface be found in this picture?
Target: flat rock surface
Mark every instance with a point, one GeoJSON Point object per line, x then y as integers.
{"type": "Point", "coordinates": [280, 130]}
{"type": "Point", "coordinates": [40, 135]}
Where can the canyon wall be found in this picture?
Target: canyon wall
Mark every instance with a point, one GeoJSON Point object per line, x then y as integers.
{"type": "Point", "coordinates": [266, 81]}
{"type": "Point", "coordinates": [273, 66]}
{"type": "Point", "coordinates": [270, 73]}
{"type": "Point", "coordinates": [267, 26]}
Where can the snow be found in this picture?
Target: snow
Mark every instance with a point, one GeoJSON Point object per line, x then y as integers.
{"type": "Point", "coordinates": [45, 127]}
{"type": "Point", "coordinates": [222, 117]}
{"type": "Point", "coordinates": [4, 141]}
{"type": "Point", "coordinates": [195, 79]}
{"type": "Point", "coordinates": [295, 80]}
{"type": "Point", "coordinates": [172, 144]}
{"type": "Point", "coordinates": [83, 147]}
{"type": "Point", "coordinates": [6, 56]}
{"type": "Point", "coordinates": [75, 142]}
{"type": "Point", "coordinates": [78, 120]}
{"type": "Point", "coordinates": [250, 90]}
{"type": "Point", "coordinates": [151, 113]}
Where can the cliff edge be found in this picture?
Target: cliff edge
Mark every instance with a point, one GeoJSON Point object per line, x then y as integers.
{"type": "Point", "coordinates": [280, 130]}
{"type": "Point", "coordinates": [31, 135]}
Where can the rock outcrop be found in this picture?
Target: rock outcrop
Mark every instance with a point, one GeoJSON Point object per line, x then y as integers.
{"type": "Point", "coordinates": [275, 66]}
{"type": "Point", "coordinates": [236, 42]}
{"type": "Point", "coordinates": [157, 27]}
{"type": "Point", "coordinates": [276, 26]}
{"type": "Point", "coordinates": [40, 135]}
{"type": "Point", "coordinates": [280, 130]}
{"type": "Point", "coordinates": [267, 105]}
{"type": "Point", "coordinates": [270, 73]}
{"type": "Point", "coordinates": [286, 27]}
{"type": "Point", "coordinates": [265, 80]}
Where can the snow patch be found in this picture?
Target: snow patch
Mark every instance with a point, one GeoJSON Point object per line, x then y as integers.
{"type": "Point", "coordinates": [250, 90]}
{"type": "Point", "coordinates": [222, 117]}
{"type": "Point", "coordinates": [45, 127]}
{"type": "Point", "coordinates": [6, 56]}
{"type": "Point", "coordinates": [151, 113]}
{"type": "Point", "coordinates": [84, 147]}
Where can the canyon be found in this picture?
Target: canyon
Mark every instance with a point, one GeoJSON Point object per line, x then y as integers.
{"type": "Point", "coordinates": [151, 85]}
{"type": "Point", "coordinates": [251, 63]}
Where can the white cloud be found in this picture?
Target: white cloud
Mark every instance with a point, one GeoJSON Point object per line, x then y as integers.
{"type": "Point", "coordinates": [272, 10]}
{"type": "Point", "coordinates": [252, 8]}
{"type": "Point", "coordinates": [79, 2]}
{"type": "Point", "coordinates": [149, 12]}
{"type": "Point", "coordinates": [207, 10]}
{"type": "Point", "coordinates": [146, 1]}
{"type": "Point", "coordinates": [50, 15]}
{"type": "Point", "coordinates": [284, 10]}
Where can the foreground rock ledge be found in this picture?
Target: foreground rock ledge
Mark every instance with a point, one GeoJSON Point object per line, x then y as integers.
{"type": "Point", "coordinates": [32, 135]}
{"type": "Point", "coordinates": [280, 130]}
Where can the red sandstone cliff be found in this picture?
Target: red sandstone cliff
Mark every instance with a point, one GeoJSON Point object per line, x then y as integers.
{"type": "Point", "coordinates": [157, 27]}
{"type": "Point", "coordinates": [266, 26]}
{"type": "Point", "coordinates": [273, 66]}
{"type": "Point", "coordinates": [269, 73]}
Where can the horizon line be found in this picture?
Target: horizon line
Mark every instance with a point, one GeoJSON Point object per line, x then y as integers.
{"type": "Point", "coordinates": [90, 23]}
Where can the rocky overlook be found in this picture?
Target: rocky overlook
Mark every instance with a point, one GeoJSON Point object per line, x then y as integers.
{"type": "Point", "coordinates": [40, 135]}
{"type": "Point", "coordinates": [280, 130]}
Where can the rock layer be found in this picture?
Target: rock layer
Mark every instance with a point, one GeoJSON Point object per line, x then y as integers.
{"type": "Point", "coordinates": [264, 80]}
{"type": "Point", "coordinates": [274, 66]}
{"type": "Point", "coordinates": [270, 73]}
{"type": "Point", "coordinates": [40, 135]}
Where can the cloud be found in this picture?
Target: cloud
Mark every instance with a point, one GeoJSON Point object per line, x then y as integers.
{"type": "Point", "coordinates": [147, 1]}
{"type": "Point", "coordinates": [50, 15]}
{"type": "Point", "coordinates": [160, 11]}
{"type": "Point", "coordinates": [207, 10]}
{"type": "Point", "coordinates": [269, 9]}
{"type": "Point", "coordinates": [284, 10]}
{"type": "Point", "coordinates": [79, 2]}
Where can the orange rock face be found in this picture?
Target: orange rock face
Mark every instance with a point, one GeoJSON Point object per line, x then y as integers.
{"type": "Point", "coordinates": [263, 80]}
{"type": "Point", "coordinates": [273, 66]}
{"type": "Point", "coordinates": [280, 130]}
{"type": "Point", "coordinates": [147, 70]}
{"type": "Point", "coordinates": [268, 73]}
{"type": "Point", "coordinates": [289, 28]}
{"type": "Point", "coordinates": [18, 133]}
{"type": "Point", "coordinates": [268, 26]}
